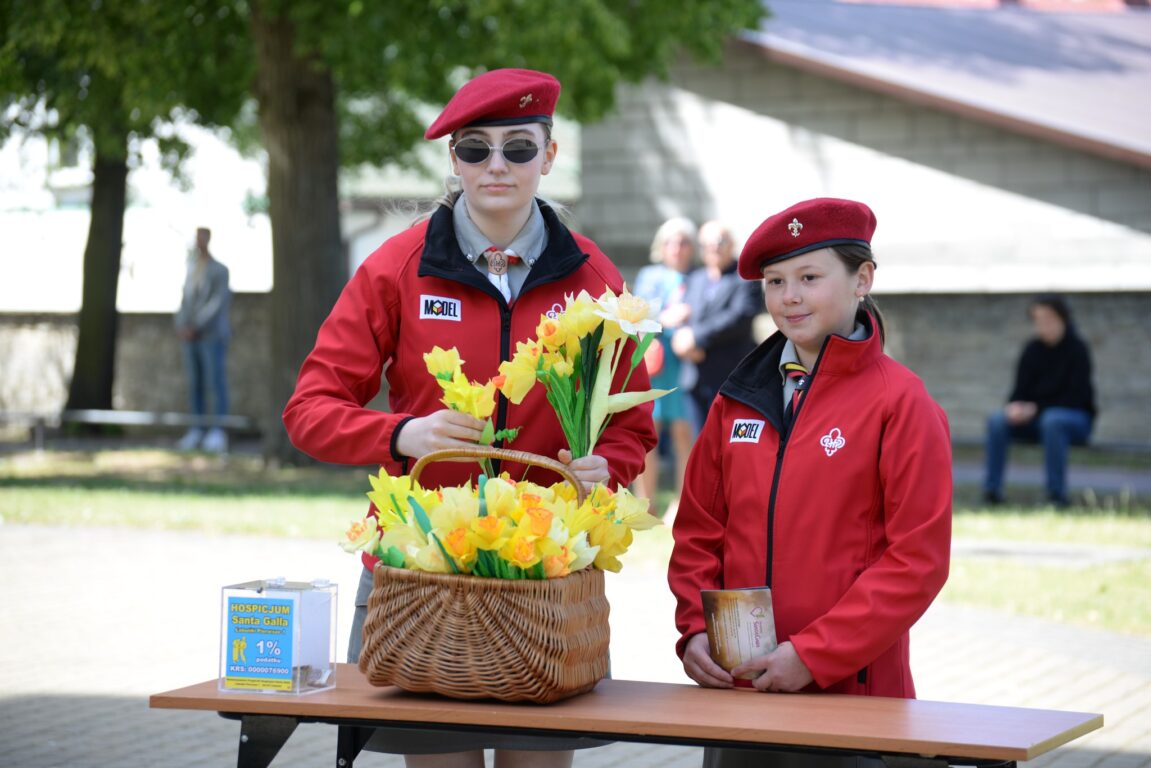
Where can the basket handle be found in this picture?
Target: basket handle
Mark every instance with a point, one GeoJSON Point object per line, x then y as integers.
{"type": "Point", "coordinates": [503, 454]}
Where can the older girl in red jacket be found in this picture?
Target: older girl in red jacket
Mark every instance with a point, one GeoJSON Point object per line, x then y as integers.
{"type": "Point", "coordinates": [477, 275]}
{"type": "Point", "coordinates": [823, 472]}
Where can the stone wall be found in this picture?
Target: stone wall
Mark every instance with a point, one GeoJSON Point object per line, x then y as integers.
{"type": "Point", "coordinates": [962, 205]}
{"type": "Point", "coordinates": [39, 352]}
{"type": "Point", "coordinates": [963, 346]}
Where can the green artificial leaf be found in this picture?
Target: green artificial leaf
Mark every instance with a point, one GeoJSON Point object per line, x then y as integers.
{"type": "Point", "coordinates": [394, 557]}
{"type": "Point", "coordinates": [421, 516]}
{"type": "Point", "coordinates": [443, 550]}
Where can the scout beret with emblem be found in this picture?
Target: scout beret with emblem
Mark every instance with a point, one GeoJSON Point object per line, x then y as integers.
{"type": "Point", "coordinates": [806, 226]}
{"type": "Point", "coordinates": [499, 97]}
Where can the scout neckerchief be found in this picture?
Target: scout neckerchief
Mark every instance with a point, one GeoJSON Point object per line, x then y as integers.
{"type": "Point", "coordinates": [507, 269]}
{"type": "Point", "coordinates": [796, 378]}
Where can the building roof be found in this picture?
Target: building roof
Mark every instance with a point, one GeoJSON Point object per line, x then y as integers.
{"type": "Point", "coordinates": [1081, 79]}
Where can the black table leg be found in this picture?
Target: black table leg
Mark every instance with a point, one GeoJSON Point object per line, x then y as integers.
{"type": "Point", "coordinates": [261, 737]}
{"type": "Point", "coordinates": [350, 740]}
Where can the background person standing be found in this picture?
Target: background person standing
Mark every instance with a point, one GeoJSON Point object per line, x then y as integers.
{"type": "Point", "coordinates": [716, 327]}
{"type": "Point", "coordinates": [662, 284]}
{"type": "Point", "coordinates": [204, 327]}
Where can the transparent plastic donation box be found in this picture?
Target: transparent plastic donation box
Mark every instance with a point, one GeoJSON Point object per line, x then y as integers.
{"type": "Point", "coordinates": [278, 636]}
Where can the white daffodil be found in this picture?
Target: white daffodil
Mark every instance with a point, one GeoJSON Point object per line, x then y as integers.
{"type": "Point", "coordinates": [633, 315]}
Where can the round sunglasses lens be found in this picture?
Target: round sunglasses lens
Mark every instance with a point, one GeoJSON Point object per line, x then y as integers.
{"type": "Point", "coordinates": [520, 151]}
{"type": "Point", "coordinates": [472, 151]}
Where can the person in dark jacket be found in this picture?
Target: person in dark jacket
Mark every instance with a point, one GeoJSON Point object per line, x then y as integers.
{"type": "Point", "coordinates": [715, 331]}
{"type": "Point", "coordinates": [1052, 401]}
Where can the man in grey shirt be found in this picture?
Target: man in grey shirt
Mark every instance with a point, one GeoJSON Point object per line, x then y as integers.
{"type": "Point", "coordinates": [202, 323]}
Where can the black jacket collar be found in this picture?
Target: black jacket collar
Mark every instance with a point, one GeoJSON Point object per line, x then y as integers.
{"type": "Point", "coordinates": [442, 256]}
{"type": "Point", "coordinates": [757, 383]}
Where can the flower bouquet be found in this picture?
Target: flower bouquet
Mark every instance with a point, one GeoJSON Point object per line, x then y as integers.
{"type": "Point", "coordinates": [494, 589]}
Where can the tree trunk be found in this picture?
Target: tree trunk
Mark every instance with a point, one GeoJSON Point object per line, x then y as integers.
{"type": "Point", "coordinates": [95, 368]}
{"type": "Point", "coordinates": [299, 127]}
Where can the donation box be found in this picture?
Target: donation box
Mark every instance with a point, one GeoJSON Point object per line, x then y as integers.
{"type": "Point", "coordinates": [278, 636]}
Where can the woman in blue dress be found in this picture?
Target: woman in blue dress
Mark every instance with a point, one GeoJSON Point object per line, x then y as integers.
{"type": "Point", "coordinates": [661, 283]}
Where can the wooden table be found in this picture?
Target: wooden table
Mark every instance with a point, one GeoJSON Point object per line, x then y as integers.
{"type": "Point", "coordinates": [907, 732]}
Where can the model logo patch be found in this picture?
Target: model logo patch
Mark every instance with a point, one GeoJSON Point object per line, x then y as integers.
{"type": "Point", "coordinates": [832, 441]}
{"type": "Point", "coordinates": [555, 311]}
{"type": "Point", "coordinates": [439, 308]}
{"type": "Point", "coordinates": [746, 430]}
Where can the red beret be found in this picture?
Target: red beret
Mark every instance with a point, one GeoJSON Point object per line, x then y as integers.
{"type": "Point", "coordinates": [806, 226]}
{"type": "Point", "coordinates": [499, 97]}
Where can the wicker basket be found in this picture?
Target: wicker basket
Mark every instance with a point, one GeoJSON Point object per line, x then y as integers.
{"type": "Point", "coordinates": [470, 637]}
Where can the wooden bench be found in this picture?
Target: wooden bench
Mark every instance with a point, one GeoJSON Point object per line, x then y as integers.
{"type": "Point", "coordinates": [905, 733]}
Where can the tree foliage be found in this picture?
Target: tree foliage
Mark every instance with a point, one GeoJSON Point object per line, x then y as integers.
{"type": "Point", "coordinates": [383, 60]}
{"type": "Point", "coordinates": [388, 58]}
{"type": "Point", "coordinates": [338, 82]}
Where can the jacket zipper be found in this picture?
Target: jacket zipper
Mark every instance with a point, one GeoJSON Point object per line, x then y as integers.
{"type": "Point", "coordinates": [783, 440]}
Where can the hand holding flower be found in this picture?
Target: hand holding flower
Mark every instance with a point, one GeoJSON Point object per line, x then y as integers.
{"type": "Point", "coordinates": [589, 470]}
{"type": "Point", "coordinates": [438, 431]}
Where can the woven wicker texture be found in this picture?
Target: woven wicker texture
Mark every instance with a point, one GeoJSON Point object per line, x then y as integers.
{"type": "Point", "coordinates": [469, 637]}
{"type": "Point", "coordinates": [475, 638]}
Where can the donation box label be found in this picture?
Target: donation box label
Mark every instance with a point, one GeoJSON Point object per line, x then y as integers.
{"type": "Point", "coordinates": [259, 644]}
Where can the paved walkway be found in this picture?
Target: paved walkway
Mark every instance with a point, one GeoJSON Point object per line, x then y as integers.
{"type": "Point", "coordinates": [95, 620]}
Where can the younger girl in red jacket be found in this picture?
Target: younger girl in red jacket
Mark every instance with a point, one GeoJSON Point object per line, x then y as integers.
{"type": "Point", "coordinates": [823, 472]}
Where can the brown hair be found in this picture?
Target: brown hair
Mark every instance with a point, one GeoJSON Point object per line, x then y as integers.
{"type": "Point", "coordinates": [853, 257]}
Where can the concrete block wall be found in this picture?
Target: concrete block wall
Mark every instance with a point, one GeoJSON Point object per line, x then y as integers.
{"type": "Point", "coordinates": [39, 350]}
{"type": "Point", "coordinates": [964, 347]}
{"type": "Point", "coordinates": [750, 136]}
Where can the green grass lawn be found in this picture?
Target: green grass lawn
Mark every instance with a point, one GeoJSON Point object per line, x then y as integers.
{"type": "Point", "coordinates": [158, 489]}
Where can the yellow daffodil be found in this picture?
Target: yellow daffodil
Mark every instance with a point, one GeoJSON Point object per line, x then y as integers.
{"type": "Point", "coordinates": [405, 538]}
{"type": "Point", "coordinates": [551, 333]}
{"type": "Point", "coordinates": [430, 558]}
{"type": "Point", "coordinates": [457, 507]}
{"type": "Point", "coordinates": [461, 395]}
{"type": "Point", "coordinates": [565, 491]}
{"type": "Point", "coordinates": [582, 518]}
{"type": "Point", "coordinates": [536, 520]}
{"type": "Point", "coordinates": [613, 540]}
{"type": "Point", "coordinates": [461, 547]}
{"type": "Point", "coordinates": [582, 314]}
{"type": "Point", "coordinates": [520, 550]}
{"type": "Point", "coordinates": [443, 363]}
{"type": "Point", "coordinates": [390, 496]}
{"type": "Point", "coordinates": [361, 535]}
{"type": "Point", "coordinates": [500, 497]}
{"type": "Point", "coordinates": [519, 373]}
{"type": "Point", "coordinates": [489, 533]}
{"type": "Point", "coordinates": [558, 364]}
{"type": "Point", "coordinates": [632, 511]}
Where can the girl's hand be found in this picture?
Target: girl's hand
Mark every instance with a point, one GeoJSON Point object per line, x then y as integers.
{"type": "Point", "coordinates": [438, 431]}
{"type": "Point", "coordinates": [700, 667]}
{"type": "Point", "coordinates": [782, 670]}
{"type": "Point", "coordinates": [589, 470]}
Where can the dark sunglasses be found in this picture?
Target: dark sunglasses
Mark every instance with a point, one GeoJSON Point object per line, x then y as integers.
{"type": "Point", "coordinates": [473, 151]}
